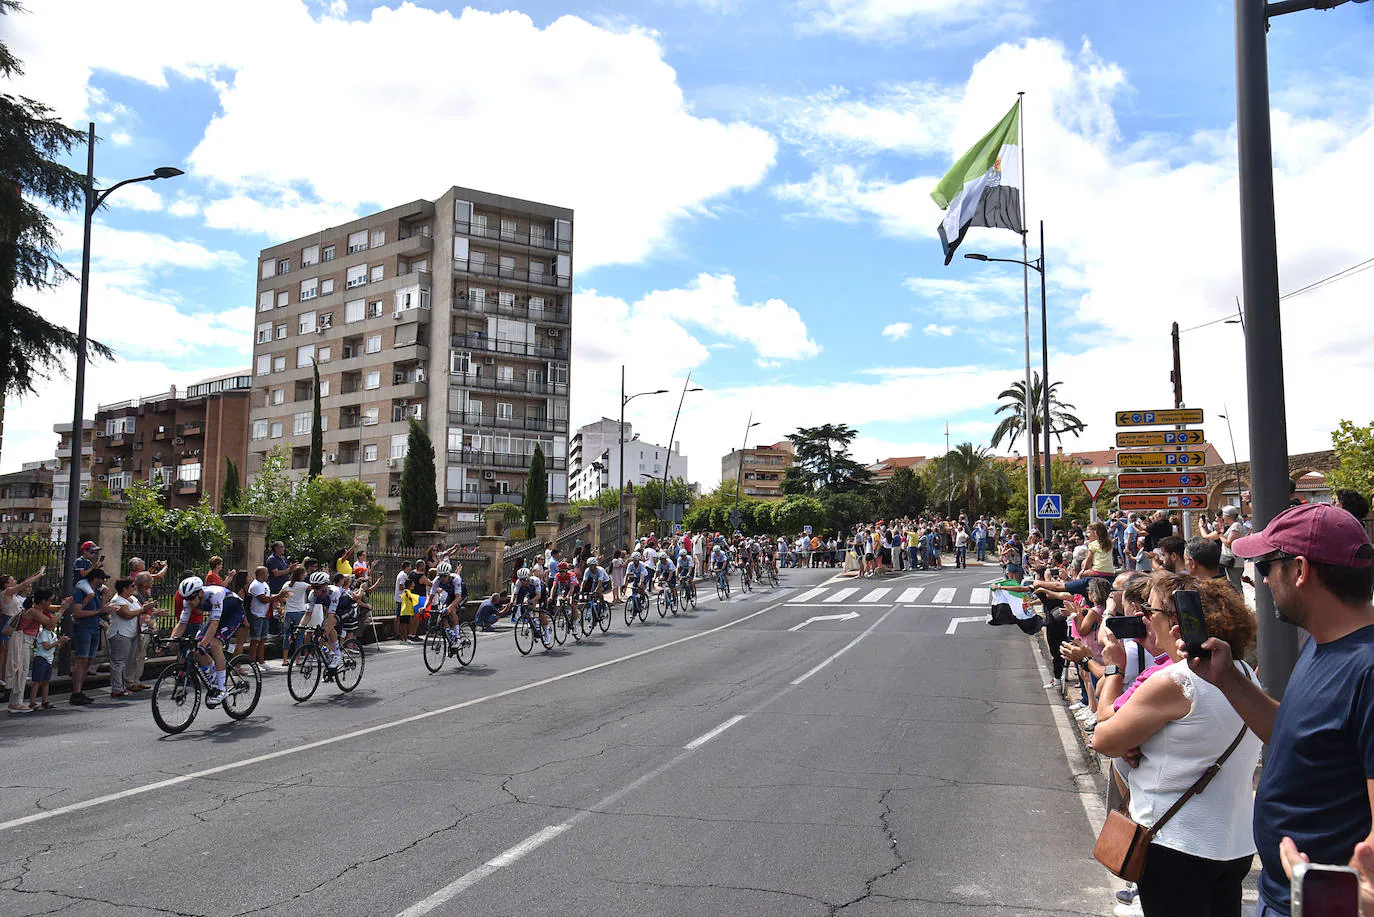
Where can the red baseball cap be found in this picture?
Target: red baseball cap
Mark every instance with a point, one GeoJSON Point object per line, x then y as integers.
{"type": "Point", "coordinates": [1320, 532]}
{"type": "Point", "coordinates": [89, 546]}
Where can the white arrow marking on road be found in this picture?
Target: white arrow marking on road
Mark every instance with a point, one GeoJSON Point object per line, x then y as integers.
{"type": "Point", "coordinates": [945, 596]}
{"type": "Point", "coordinates": [980, 596]}
{"type": "Point", "coordinates": [875, 595]}
{"type": "Point", "coordinates": [809, 594]}
{"type": "Point", "coordinates": [841, 595]}
{"type": "Point", "coordinates": [849, 616]}
{"type": "Point", "coordinates": [957, 621]}
{"type": "Point", "coordinates": [910, 595]}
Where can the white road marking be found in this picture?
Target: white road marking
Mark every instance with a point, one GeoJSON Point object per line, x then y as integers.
{"type": "Point", "coordinates": [980, 596]}
{"type": "Point", "coordinates": [461, 884]}
{"type": "Point", "coordinates": [910, 595]}
{"type": "Point", "coordinates": [358, 733]}
{"type": "Point", "coordinates": [947, 607]}
{"type": "Point", "coordinates": [849, 616]}
{"type": "Point", "coordinates": [957, 621]}
{"type": "Point", "coordinates": [847, 647]}
{"type": "Point", "coordinates": [841, 595]}
{"type": "Point", "coordinates": [944, 596]}
{"type": "Point", "coordinates": [702, 740]}
{"type": "Point", "coordinates": [808, 595]}
{"type": "Point", "coordinates": [875, 595]}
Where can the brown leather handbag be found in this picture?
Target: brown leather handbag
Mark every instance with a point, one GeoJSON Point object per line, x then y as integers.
{"type": "Point", "coordinates": [1122, 843]}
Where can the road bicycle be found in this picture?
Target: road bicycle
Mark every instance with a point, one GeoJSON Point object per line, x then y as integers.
{"type": "Point", "coordinates": [310, 664]}
{"type": "Point", "coordinates": [440, 644]}
{"type": "Point", "coordinates": [596, 614]}
{"type": "Point", "coordinates": [636, 606]}
{"type": "Point", "coordinates": [722, 584]}
{"type": "Point", "coordinates": [773, 575]}
{"type": "Point", "coordinates": [527, 627]}
{"type": "Point", "coordinates": [562, 621]}
{"type": "Point", "coordinates": [746, 578]}
{"type": "Point", "coordinates": [177, 691]}
{"type": "Point", "coordinates": [689, 593]}
{"type": "Point", "coordinates": [667, 600]}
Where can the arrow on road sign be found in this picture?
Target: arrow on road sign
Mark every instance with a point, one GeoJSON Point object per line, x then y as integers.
{"type": "Point", "coordinates": [1133, 438]}
{"type": "Point", "coordinates": [848, 616]}
{"type": "Point", "coordinates": [1159, 459]}
{"type": "Point", "coordinates": [1161, 481]}
{"type": "Point", "coordinates": [1093, 486]}
{"type": "Point", "coordinates": [957, 621]}
{"type": "Point", "coordinates": [1155, 418]}
{"type": "Point", "coordinates": [1162, 501]}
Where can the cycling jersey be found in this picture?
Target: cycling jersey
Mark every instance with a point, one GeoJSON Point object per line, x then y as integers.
{"type": "Point", "coordinates": [230, 616]}
{"type": "Point", "coordinates": [596, 579]}
{"type": "Point", "coordinates": [638, 572]}
{"type": "Point", "coordinates": [718, 558]}
{"type": "Point", "coordinates": [528, 589]}
{"type": "Point", "coordinates": [340, 604]}
{"type": "Point", "coordinates": [685, 563]}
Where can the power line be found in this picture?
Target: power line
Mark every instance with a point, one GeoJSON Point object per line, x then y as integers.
{"type": "Point", "coordinates": [1314, 285]}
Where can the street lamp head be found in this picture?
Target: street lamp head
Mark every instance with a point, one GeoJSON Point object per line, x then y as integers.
{"type": "Point", "coordinates": [975, 256]}
{"type": "Point", "coordinates": [755, 424]}
{"type": "Point", "coordinates": [696, 388]}
{"type": "Point", "coordinates": [167, 172]}
{"type": "Point", "coordinates": [662, 391]}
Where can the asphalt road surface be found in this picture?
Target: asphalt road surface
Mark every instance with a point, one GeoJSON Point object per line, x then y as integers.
{"type": "Point", "coordinates": [733, 761]}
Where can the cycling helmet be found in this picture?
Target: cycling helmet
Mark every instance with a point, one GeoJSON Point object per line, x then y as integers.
{"type": "Point", "coordinates": [564, 566]}
{"type": "Point", "coordinates": [592, 561]}
{"type": "Point", "coordinates": [190, 586]}
{"type": "Point", "coordinates": [636, 556]}
{"type": "Point", "coordinates": [444, 568]}
{"type": "Point", "coordinates": [319, 578]}
{"type": "Point", "coordinates": [523, 573]}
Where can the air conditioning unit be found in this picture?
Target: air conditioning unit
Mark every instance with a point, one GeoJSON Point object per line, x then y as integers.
{"type": "Point", "coordinates": [103, 477]}
{"type": "Point", "coordinates": [334, 457]}
{"type": "Point", "coordinates": [397, 314]}
{"type": "Point", "coordinates": [179, 441]}
{"type": "Point", "coordinates": [553, 332]}
{"type": "Point", "coordinates": [391, 463]}
{"type": "Point", "coordinates": [99, 460]}
{"type": "Point", "coordinates": [489, 476]}
{"type": "Point", "coordinates": [99, 434]}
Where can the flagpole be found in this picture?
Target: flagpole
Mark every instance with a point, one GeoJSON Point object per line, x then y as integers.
{"type": "Point", "coordinates": [1025, 278]}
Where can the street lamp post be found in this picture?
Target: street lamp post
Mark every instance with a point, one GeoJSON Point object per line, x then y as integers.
{"type": "Point", "coordinates": [739, 476]}
{"type": "Point", "coordinates": [620, 485]}
{"type": "Point", "coordinates": [1268, 418]}
{"type": "Point", "coordinates": [94, 199]}
{"type": "Point", "coordinates": [667, 460]}
{"type": "Point", "coordinates": [1037, 265]}
{"type": "Point", "coordinates": [1235, 460]}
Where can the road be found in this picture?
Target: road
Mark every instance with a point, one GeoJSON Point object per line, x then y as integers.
{"type": "Point", "coordinates": [720, 762]}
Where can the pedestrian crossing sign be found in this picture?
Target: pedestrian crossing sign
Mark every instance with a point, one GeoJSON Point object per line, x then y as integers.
{"type": "Point", "coordinates": [1049, 506]}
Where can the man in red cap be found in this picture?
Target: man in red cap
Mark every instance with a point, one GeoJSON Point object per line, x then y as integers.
{"type": "Point", "coordinates": [1316, 795]}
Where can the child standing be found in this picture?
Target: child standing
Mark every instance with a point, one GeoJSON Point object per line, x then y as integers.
{"type": "Point", "coordinates": [43, 649]}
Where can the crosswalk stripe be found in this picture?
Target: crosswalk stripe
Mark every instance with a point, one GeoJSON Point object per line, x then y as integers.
{"type": "Point", "coordinates": [841, 595]}
{"type": "Point", "coordinates": [808, 595]}
{"type": "Point", "coordinates": [945, 596]}
{"type": "Point", "coordinates": [981, 596]}
{"type": "Point", "coordinates": [910, 595]}
{"type": "Point", "coordinates": [875, 595]}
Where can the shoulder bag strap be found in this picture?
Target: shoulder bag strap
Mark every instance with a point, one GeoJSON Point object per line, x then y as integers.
{"type": "Point", "coordinates": [1197, 787]}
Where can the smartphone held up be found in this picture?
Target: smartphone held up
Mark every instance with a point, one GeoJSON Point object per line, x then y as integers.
{"type": "Point", "coordinates": [1192, 624]}
{"type": "Point", "coordinates": [1325, 891]}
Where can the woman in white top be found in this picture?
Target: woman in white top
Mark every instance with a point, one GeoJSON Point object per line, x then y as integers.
{"type": "Point", "coordinates": [122, 635]}
{"type": "Point", "coordinates": [293, 611]}
{"type": "Point", "coordinates": [1179, 725]}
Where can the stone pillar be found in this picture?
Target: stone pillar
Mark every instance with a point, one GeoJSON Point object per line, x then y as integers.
{"type": "Point", "coordinates": [102, 521]}
{"type": "Point", "coordinates": [362, 534]}
{"type": "Point", "coordinates": [249, 536]}
{"type": "Point", "coordinates": [631, 517]}
{"type": "Point", "coordinates": [493, 548]}
{"type": "Point", "coordinates": [546, 531]}
{"type": "Point", "coordinates": [592, 515]}
{"type": "Point", "coordinates": [422, 541]}
{"type": "Point", "coordinates": [496, 522]}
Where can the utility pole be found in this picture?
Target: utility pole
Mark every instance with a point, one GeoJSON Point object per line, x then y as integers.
{"type": "Point", "coordinates": [1176, 377]}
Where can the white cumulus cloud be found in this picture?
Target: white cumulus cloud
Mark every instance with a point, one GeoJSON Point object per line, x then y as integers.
{"type": "Point", "coordinates": [897, 330]}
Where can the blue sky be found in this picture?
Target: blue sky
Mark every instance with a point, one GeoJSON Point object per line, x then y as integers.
{"type": "Point", "coordinates": [752, 186]}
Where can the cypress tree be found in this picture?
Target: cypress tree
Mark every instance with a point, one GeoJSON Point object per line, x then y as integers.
{"type": "Point", "coordinates": [536, 493]}
{"type": "Point", "coordinates": [419, 500]}
{"type": "Point", "coordinates": [231, 494]}
{"type": "Point", "coordinates": [316, 433]}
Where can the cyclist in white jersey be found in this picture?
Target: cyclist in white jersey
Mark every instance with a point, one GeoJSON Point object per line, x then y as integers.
{"type": "Point", "coordinates": [223, 614]}
{"type": "Point", "coordinates": [332, 606]}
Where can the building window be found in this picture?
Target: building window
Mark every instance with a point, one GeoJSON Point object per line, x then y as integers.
{"type": "Point", "coordinates": [378, 238]}
{"type": "Point", "coordinates": [323, 354]}
{"type": "Point", "coordinates": [370, 416]}
{"type": "Point", "coordinates": [264, 332]}
{"type": "Point", "coordinates": [374, 343]}
{"type": "Point", "coordinates": [304, 355]}
{"type": "Point", "coordinates": [357, 241]}
{"type": "Point", "coordinates": [399, 443]}
{"type": "Point", "coordinates": [507, 266]}
{"type": "Point", "coordinates": [310, 288]}
{"type": "Point", "coordinates": [507, 229]}
{"type": "Point", "coordinates": [279, 364]}
{"type": "Point", "coordinates": [407, 335]}
{"type": "Point", "coordinates": [300, 423]}
{"type": "Point", "coordinates": [276, 430]}
{"type": "Point", "coordinates": [372, 380]}
{"type": "Point", "coordinates": [536, 269]}
{"type": "Point", "coordinates": [506, 300]}
{"type": "Point", "coordinates": [281, 332]}
{"type": "Point", "coordinates": [505, 374]}
{"type": "Point", "coordinates": [310, 255]}
{"type": "Point", "coordinates": [374, 309]}
{"type": "Point", "coordinates": [283, 266]}
{"type": "Point", "coordinates": [265, 301]}
{"type": "Point", "coordinates": [188, 472]}
{"type": "Point", "coordinates": [278, 396]}
{"type": "Point", "coordinates": [269, 270]}
{"type": "Point", "coordinates": [283, 298]}
{"type": "Point", "coordinates": [356, 276]}
{"type": "Point", "coordinates": [558, 373]}
{"type": "Point", "coordinates": [326, 320]}
{"type": "Point", "coordinates": [353, 311]}
{"type": "Point", "coordinates": [504, 411]}
{"type": "Point", "coordinates": [264, 364]}
{"type": "Point", "coordinates": [324, 386]}
{"type": "Point", "coordinates": [307, 323]}
{"type": "Point", "coordinates": [370, 453]}
{"type": "Point", "coordinates": [327, 286]}
{"type": "Point", "coordinates": [328, 254]}
{"type": "Point", "coordinates": [376, 274]}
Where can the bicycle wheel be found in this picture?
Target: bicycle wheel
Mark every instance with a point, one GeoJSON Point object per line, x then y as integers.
{"type": "Point", "coordinates": [467, 643]}
{"type": "Point", "coordinates": [303, 675]}
{"type": "Point", "coordinates": [350, 673]}
{"type": "Point", "coordinates": [773, 577]}
{"type": "Point", "coordinates": [587, 620]}
{"type": "Point", "coordinates": [176, 698]}
{"type": "Point", "coordinates": [558, 622]}
{"type": "Point", "coordinates": [436, 649]}
{"type": "Point", "coordinates": [524, 635]}
{"type": "Point", "coordinates": [242, 687]}
{"type": "Point", "coordinates": [546, 633]}
{"type": "Point", "coordinates": [661, 602]}
{"type": "Point", "coordinates": [643, 610]}
{"type": "Point", "coordinates": [722, 588]}
{"type": "Point", "coordinates": [603, 616]}
{"type": "Point", "coordinates": [630, 611]}
{"type": "Point", "coordinates": [676, 601]}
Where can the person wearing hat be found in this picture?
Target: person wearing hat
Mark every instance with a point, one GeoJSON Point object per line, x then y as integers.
{"type": "Point", "coordinates": [88, 620]}
{"type": "Point", "coordinates": [1230, 565]}
{"type": "Point", "coordinates": [1316, 793]}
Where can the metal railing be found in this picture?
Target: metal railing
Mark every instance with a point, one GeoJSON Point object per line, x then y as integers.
{"type": "Point", "coordinates": [472, 341]}
{"type": "Point", "coordinates": [569, 539]}
{"type": "Point", "coordinates": [518, 309]}
{"type": "Point", "coordinates": [476, 459]}
{"type": "Point", "coordinates": [520, 555]}
{"type": "Point", "coordinates": [481, 498]}
{"type": "Point", "coordinates": [493, 384]}
{"type": "Point", "coordinates": [487, 231]}
{"type": "Point", "coordinates": [511, 272]}
{"type": "Point", "coordinates": [539, 425]}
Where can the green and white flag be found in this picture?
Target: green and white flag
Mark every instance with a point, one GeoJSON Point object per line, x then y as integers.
{"type": "Point", "coordinates": [984, 187]}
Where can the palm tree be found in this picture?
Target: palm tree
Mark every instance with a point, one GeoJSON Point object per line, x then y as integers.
{"type": "Point", "coordinates": [971, 477]}
{"type": "Point", "coordinates": [1013, 426]}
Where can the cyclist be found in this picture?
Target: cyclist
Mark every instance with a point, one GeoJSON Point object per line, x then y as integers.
{"type": "Point", "coordinates": [596, 582]}
{"type": "Point", "coordinates": [564, 585]}
{"type": "Point", "coordinates": [686, 569]}
{"type": "Point", "coordinates": [337, 611]}
{"type": "Point", "coordinates": [529, 591]}
{"type": "Point", "coordinates": [448, 597]}
{"type": "Point", "coordinates": [720, 562]}
{"type": "Point", "coordinates": [666, 575]}
{"type": "Point", "coordinates": [638, 574]}
{"type": "Point", "coordinates": [222, 612]}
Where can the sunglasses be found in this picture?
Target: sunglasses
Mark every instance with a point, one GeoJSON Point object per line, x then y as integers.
{"type": "Point", "coordinates": [1263, 566]}
{"type": "Point", "coordinates": [1150, 611]}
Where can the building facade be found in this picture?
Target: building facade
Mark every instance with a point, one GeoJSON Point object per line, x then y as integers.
{"type": "Point", "coordinates": [594, 459]}
{"type": "Point", "coordinates": [26, 500]}
{"type": "Point", "coordinates": [763, 469]}
{"type": "Point", "coordinates": [454, 313]}
{"type": "Point", "coordinates": [883, 469]}
{"type": "Point", "coordinates": [178, 441]}
{"type": "Point", "coordinates": [61, 475]}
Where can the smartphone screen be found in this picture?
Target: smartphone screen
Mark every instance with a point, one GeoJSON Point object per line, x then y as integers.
{"type": "Point", "coordinates": [1127, 627]}
{"type": "Point", "coordinates": [1192, 625]}
{"type": "Point", "coordinates": [1325, 891]}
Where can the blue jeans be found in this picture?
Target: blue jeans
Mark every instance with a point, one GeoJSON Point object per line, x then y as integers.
{"type": "Point", "coordinates": [982, 549]}
{"type": "Point", "coordinates": [291, 621]}
{"type": "Point", "coordinates": [85, 641]}
{"type": "Point", "coordinates": [960, 556]}
{"type": "Point", "coordinates": [911, 557]}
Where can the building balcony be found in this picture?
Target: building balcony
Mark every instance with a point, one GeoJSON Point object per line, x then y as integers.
{"type": "Point", "coordinates": [540, 242]}
{"type": "Point", "coordinates": [191, 429]}
{"type": "Point", "coordinates": [516, 460]}
{"type": "Point", "coordinates": [477, 498]}
{"type": "Point", "coordinates": [186, 488]}
{"type": "Point", "coordinates": [472, 341]}
{"type": "Point", "coordinates": [517, 309]}
{"type": "Point", "coordinates": [489, 383]}
{"type": "Point", "coordinates": [414, 244]}
{"type": "Point", "coordinates": [408, 390]}
{"type": "Point", "coordinates": [66, 451]}
{"type": "Point", "coordinates": [482, 421]}
{"type": "Point", "coordinates": [485, 269]}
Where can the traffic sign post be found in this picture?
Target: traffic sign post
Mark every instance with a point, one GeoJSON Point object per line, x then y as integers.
{"type": "Point", "coordinates": [1159, 438]}
{"type": "Point", "coordinates": [1094, 487]}
{"type": "Point", "coordinates": [1161, 481]}
{"type": "Point", "coordinates": [1160, 459]}
{"type": "Point", "coordinates": [1162, 501]}
{"type": "Point", "coordinates": [1049, 506]}
{"type": "Point", "coordinates": [1158, 418]}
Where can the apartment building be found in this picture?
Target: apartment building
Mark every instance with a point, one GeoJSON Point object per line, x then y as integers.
{"type": "Point", "coordinates": [26, 500]}
{"type": "Point", "coordinates": [455, 313]}
{"type": "Point", "coordinates": [178, 441]}
{"type": "Point", "coordinates": [62, 474]}
{"type": "Point", "coordinates": [763, 469]}
{"type": "Point", "coordinates": [594, 459]}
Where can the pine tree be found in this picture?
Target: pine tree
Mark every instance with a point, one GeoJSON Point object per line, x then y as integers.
{"type": "Point", "coordinates": [536, 493]}
{"type": "Point", "coordinates": [419, 500]}
{"type": "Point", "coordinates": [316, 433]}
{"type": "Point", "coordinates": [231, 494]}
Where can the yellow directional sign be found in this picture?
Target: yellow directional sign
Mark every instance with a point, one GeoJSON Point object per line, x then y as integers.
{"type": "Point", "coordinates": [1159, 438]}
{"type": "Point", "coordinates": [1156, 418]}
{"type": "Point", "coordinates": [1160, 459]}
